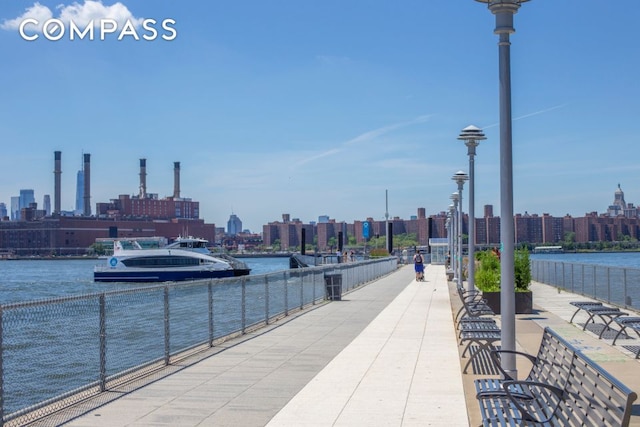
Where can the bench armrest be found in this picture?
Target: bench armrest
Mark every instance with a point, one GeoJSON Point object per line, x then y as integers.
{"type": "Point", "coordinates": [517, 400]}
{"type": "Point", "coordinates": [495, 357]}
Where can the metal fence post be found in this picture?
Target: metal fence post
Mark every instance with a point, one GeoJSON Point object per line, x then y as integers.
{"type": "Point", "coordinates": [608, 284]}
{"type": "Point", "coordinates": [167, 347]}
{"type": "Point", "coordinates": [244, 304]}
{"type": "Point", "coordinates": [624, 284]}
{"type": "Point", "coordinates": [286, 295]}
{"type": "Point", "coordinates": [301, 290]}
{"type": "Point", "coordinates": [210, 303]}
{"type": "Point", "coordinates": [266, 299]}
{"type": "Point", "coordinates": [103, 343]}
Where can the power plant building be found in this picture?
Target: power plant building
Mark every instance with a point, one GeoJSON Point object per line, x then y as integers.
{"type": "Point", "coordinates": [144, 215]}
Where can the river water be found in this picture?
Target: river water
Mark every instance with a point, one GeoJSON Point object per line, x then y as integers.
{"type": "Point", "coordinates": [611, 259]}
{"type": "Point", "coordinates": [28, 280]}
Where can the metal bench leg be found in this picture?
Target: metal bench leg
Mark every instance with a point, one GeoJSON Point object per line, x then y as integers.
{"type": "Point", "coordinates": [606, 326]}
{"type": "Point", "coordinates": [481, 347]}
{"type": "Point", "coordinates": [618, 334]}
{"type": "Point", "coordinates": [574, 315]}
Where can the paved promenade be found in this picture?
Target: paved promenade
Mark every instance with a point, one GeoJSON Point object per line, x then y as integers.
{"type": "Point", "coordinates": [386, 355]}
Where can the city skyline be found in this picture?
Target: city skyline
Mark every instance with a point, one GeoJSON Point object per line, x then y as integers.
{"type": "Point", "coordinates": [317, 109]}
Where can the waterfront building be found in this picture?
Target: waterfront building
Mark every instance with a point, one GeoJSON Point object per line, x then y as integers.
{"type": "Point", "coordinates": [234, 225]}
{"type": "Point", "coordinates": [73, 235]}
{"type": "Point", "coordinates": [288, 233]}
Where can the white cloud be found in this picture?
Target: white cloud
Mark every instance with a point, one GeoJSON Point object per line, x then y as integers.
{"type": "Point", "coordinates": [80, 14]}
{"type": "Point", "coordinates": [37, 11]}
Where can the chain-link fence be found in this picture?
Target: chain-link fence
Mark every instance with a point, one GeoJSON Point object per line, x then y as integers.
{"type": "Point", "coordinates": [613, 285]}
{"type": "Point", "coordinates": [55, 353]}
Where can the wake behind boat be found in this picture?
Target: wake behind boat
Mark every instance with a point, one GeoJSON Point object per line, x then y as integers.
{"type": "Point", "coordinates": [185, 259]}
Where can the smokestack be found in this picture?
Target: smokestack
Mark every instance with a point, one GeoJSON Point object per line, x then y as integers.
{"type": "Point", "coordinates": [87, 184]}
{"type": "Point", "coordinates": [176, 180]}
{"type": "Point", "coordinates": [57, 171]}
{"type": "Point", "coordinates": [143, 178]}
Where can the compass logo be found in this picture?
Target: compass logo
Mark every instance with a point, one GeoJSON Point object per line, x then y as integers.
{"type": "Point", "coordinates": [56, 29]}
{"type": "Point", "coordinates": [91, 20]}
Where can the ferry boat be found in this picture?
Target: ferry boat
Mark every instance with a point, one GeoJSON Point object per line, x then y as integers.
{"type": "Point", "coordinates": [185, 259]}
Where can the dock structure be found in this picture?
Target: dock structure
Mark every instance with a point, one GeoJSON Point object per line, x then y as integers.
{"type": "Point", "coordinates": [385, 354]}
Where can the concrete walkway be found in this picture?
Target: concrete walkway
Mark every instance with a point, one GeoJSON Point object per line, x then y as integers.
{"type": "Point", "coordinates": [384, 355]}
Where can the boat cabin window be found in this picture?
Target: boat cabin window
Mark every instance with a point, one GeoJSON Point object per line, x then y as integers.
{"type": "Point", "coordinates": [162, 261]}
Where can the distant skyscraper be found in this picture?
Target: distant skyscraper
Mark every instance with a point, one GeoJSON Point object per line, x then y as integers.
{"type": "Point", "coordinates": [26, 198]}
{"type": "Point", "coordinates": [619, 205]}
{"type": "Point", "coordinates": [15, 208]}
{"type": "Point", "coordinates": [3, 210]}
{"type": "Point", "coordinates": [234, 225]}
{"type": "Point", "coordinates": [46, 205]}
{"type": "Point", "coordinates": [79, 193]}
{"type": "Point", "coordinates": [323, 219]}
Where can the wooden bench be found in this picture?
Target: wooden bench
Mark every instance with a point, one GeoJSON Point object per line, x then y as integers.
{"type": "Point", "coordinates": [564, 388]}
{"type": "Point", "coordinates": [632, 323]}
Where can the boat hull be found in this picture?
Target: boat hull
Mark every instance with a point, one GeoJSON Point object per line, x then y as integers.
{"type": "Point", "coordinates": [121, 275]}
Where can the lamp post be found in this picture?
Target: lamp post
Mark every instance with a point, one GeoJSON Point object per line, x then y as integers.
{"type": "Point", "coordinates": [504, 11]}
{"type": "Point", "coordinates": [471, 136]}
{"type": "Point", "coordinates": [452, 245]}
{"type": "Point", "coordinates": [456, 236]}
{"type": "Point", "coordinates": [460, 178]}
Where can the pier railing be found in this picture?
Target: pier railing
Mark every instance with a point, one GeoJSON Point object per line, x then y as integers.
{"type": "Point", "coordinates": [57, 353]}
{"type": "Point", "coordinates": [614, 285]}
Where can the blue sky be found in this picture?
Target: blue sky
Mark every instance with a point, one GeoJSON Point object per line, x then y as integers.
{"type": "Point", "coordinates": [317, 107]}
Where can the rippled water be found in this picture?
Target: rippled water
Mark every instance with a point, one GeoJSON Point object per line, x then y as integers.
{"type": "Point", "coordinates": [611, 259]}
{"type": "Point", "coordinates": [28, 280]}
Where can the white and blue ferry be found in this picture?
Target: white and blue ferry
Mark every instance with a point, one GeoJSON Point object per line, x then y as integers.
{"type": "Point", "coordinates": [185, 259]}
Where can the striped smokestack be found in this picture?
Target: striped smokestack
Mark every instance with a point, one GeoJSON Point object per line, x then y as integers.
{"type": "Point", "coordinates": [87, 184]}
{"type": "Point", "coordinates": [143, 178]}
{"type": "Point", "coordinates": [176, 180]}
{"type": "Point", "coordinates": [57, 171]}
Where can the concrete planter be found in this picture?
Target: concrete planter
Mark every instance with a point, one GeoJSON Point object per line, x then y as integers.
{"type": "Point", "coordinates": [524, 301]}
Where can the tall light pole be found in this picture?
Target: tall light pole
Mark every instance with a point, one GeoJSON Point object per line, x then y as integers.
{"type": "Point", "coordinates": [504, 11]}
{"type": "Point", "coordinates": [456, 216]}
{"type": "Point", "coordinates": [452, 247]}
{"type": "Point", "coordinates": [460, 178]}
{"type": "Point", "coordinates": [471, 136]}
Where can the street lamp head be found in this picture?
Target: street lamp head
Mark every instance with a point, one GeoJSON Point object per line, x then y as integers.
{"type": "Point", "coordinates": [460, 177]}
{"type": "Point", "coordinates": [455, 197]}
{"type": "Point", "coordinates": [492, 2]}
{"type": "Point", "coordinates": [471, 134]}
{"type": "Point", "coordinates": [504, 11]}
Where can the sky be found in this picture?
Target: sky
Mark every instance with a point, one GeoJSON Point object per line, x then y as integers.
{"type": "Point", "coordinates": [320, 107]}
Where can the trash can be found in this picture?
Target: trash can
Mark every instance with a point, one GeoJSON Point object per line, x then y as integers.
{"type": "Point", "coordinates": [333, 283]}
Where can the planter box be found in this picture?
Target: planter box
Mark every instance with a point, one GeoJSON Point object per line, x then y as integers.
{"type": "Point", "coordinates": [524, 302]}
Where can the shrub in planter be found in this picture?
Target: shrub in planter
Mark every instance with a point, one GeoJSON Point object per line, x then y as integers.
{"type": "Point", "coordinates": [487, 277]}
{"type": "Point", "coordinates": [488, 280]}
